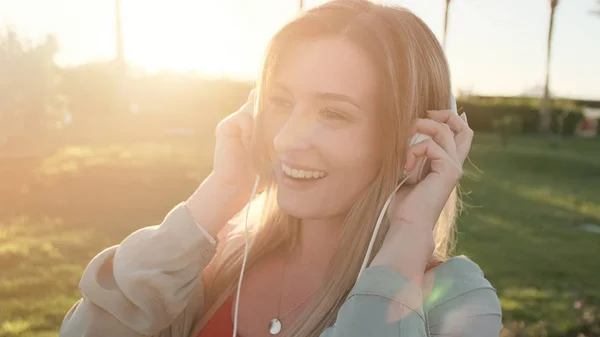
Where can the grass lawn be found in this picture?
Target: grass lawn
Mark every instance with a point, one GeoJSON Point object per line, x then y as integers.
{"type": "Point", "coordinates": [524, 203]}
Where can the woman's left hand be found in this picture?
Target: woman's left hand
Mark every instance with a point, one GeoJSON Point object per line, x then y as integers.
{"type": "Point", "coordinates": [421, 204]}
{"type": "Point", "coordinates": [415, 210]}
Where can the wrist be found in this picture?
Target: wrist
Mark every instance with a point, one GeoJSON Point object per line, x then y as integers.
{"type": "Point", "coordinates": [406, 250]}
{"type": "Point", "coordinates": [214, 203]}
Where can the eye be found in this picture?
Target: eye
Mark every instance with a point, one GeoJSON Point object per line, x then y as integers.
{"type": "Point", "coordinates": [278, 102]}
{"type": "Point", "coordinates": [332, 114]}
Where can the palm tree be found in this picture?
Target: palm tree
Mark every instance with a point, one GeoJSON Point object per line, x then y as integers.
{"type": "Point", "coordinates": [119, 35]}
{"type": "Point", "coordinates": [120, 65]}
{"type": "Point", "coordinates": [300, 5]}
{"type": "Point", "coordinates": [446, 22]}
{"type": "Point", "coordinates": [546, 106]}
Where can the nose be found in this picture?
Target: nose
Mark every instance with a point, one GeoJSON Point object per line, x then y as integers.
{"type": "Point", "coordinates": [295, 134]}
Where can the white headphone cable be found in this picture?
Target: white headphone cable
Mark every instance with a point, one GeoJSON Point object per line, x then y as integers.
{"type": "Point", "coordinates": [239, 287]}
{"type": "Point", "coordinates": [378, 224]}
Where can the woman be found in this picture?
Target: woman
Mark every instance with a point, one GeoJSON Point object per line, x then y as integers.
{"type": "Point", "coordinates": [343, 89]}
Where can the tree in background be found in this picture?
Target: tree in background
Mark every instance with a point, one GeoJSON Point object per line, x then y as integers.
{"type": "Point", "coordinates": [121, 69]}
{"type": "Point", "coordinates": [446, 22]}
{"type": "Point", "coordinates": [93, 92]}
{"type": "Point", "coordinates": [120, 57]}
{"type": "Point", "coordinates": [29, 96]}
{"type": "Point", "coordinates": [545, 121]}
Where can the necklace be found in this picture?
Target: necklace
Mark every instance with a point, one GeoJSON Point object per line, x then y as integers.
{"type": "Point", "coordinates": [275, 324]}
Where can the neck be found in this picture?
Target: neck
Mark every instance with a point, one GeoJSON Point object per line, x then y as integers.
{"type": "Point", "coordinates": [318, 242]}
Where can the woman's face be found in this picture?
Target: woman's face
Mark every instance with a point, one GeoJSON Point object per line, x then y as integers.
{"type": "Point", "coordinates": [321, 117]}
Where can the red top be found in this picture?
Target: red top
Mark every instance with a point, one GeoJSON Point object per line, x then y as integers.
{"type": "Point", "coordinates": [221, 324]}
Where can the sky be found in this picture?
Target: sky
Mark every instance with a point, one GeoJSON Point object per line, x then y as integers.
{"type": "Point", "coordinates": [494, 47]}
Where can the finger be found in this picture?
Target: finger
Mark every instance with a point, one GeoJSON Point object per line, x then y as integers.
{"type": "Point", "coordinates": [238, 125]}
{"type": "Point", "coordinates": [246, 125]}
{"type": "Point", "coordinates": [464, 140]}
{"type": "Point", "coordinates": [425, 149]}
{"type": "Point", "coordinates": [440, 159]}
{"type": "Point", "coordinates": [439, 132]}
{"type": "Point", "coordinates": [247, 108]}
{"type": "Point", "coordinates": [460, 126]}
{"type": "Point", "coordinates": [456, 123]}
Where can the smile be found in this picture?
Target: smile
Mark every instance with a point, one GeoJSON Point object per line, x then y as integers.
{"type": "Point", "coordinates": [302, 174]}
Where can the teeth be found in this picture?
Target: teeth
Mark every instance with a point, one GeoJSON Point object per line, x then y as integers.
{"type": "Point", "coordinates": [302, 174]}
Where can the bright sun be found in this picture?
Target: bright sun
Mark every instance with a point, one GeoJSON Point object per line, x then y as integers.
{"type": "Point", "coordinates": [206, 36]}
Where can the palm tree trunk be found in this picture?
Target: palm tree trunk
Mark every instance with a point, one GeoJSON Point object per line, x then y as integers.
{"type": "Point", "coordinates": [300, 5]}
{"type": "Point", "coordinates": [121, 68]}
{"type": "Point", "coordinates": [119, 34]}
{"type": "Point", "coordinates": [446, 23]}
{"type": "Point", "coordinates": [546, 106]}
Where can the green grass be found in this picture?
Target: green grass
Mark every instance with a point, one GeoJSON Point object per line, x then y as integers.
{"type": "Point", "coordinates": [57, 210]}
{"type": "Point", "coordinates": [521, 226]}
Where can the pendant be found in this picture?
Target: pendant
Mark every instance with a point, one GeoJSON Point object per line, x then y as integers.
{"type": "Point", "coordinates": [274, 326]}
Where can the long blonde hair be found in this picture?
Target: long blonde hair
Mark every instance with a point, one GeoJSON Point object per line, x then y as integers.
{"type": "Point", "coordinates": [415, 78]}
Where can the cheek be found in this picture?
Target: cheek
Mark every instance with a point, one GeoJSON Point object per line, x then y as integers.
{"type": "Point", "coordinates": [270, 129]}
{"type": "Point", "coordinates": [272, 125]}
{"type": "Point", "coordinates": [360, 150]}
{"type": "Point", "coordinates": [351, 159]}
{"type": "Point", "coordinates": [368, 166]}
{"type": "Point", "coordinates": [355, 160]}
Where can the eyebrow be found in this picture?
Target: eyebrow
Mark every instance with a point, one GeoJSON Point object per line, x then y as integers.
{"type": "Point", "coordinates": [327, 96]}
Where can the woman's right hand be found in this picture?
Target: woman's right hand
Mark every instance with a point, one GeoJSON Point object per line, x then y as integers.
{"type": "Point", "coordinates": [228, 187]}
{"type": "Point", "coordinates": [232, 162]}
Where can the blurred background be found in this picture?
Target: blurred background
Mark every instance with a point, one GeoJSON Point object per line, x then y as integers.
{"type": "Point", "coordinates": [108, 110]}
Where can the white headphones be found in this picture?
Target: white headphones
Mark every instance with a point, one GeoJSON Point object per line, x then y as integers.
{"type": "Point", "coordinates": [423, 166]}
{"type": "Point", "coordinates": [421, 170]}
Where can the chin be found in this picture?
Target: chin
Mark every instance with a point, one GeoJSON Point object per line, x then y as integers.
{"type": "Point", "coordinates": [299, 207]}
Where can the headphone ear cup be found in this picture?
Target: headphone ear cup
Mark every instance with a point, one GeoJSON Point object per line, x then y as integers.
{"type": "Point", "coordinates": [453, 106]}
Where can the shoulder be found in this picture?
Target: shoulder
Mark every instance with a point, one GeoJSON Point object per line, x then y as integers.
{"type": "Point", "coordinates": [459, 271]}
{"type": "Point", "coordinates": [457, 291]}
{"type": "Point", "coordinates": [454, 278]}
